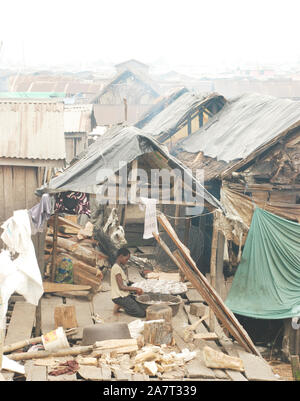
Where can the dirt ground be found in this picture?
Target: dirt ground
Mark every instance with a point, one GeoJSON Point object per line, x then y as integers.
{"type": "Point", "coordinates": [284, 370]}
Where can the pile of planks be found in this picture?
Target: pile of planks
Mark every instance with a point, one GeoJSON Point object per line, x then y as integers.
{"type": "Point", "coordinates": [76, 243]}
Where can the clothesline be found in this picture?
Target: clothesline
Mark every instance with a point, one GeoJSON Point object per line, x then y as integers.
{"type": "Point", "coordinates": [189, 217]}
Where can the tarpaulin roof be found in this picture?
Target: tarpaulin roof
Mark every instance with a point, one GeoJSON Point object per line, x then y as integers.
{"type": "Point", "coordinates": [244, 125]}
{"type": "Point", "coordinates": [119, 144]}
{"type": "Point", "coordinates": [267, 282]}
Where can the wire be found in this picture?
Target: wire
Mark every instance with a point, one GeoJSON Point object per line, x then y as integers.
{"type": "Point", "coordinates": [189, 217]}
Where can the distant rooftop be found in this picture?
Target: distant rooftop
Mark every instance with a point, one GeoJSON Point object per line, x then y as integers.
{"type": "Point", "coordinates": [31, 95]}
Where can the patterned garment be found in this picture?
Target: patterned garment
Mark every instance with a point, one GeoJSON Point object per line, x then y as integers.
{"type": "Point", "coordinates": [72, 203]}
{"type": "Point", "coordinates": [64, 272]}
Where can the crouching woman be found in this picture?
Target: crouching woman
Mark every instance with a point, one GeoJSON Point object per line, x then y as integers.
{"type": "Point", "coordinates": [121, 293]}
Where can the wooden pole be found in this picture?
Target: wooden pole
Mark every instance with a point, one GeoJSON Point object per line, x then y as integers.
{"type": "Point", "coordinates": [177, 214]}
{"type": "Point", "coordinates": [220, 281]}
{"type": "Point", "coordinates": [207, 292]}
{"type": "Point", "coordinates": [295, 367]}
{"type": "Point", "coordinates": [187, 229]}
{"type": "Point", "coordinates": [24, 356]}
{"type": "Point", "coordinates": [125, 109]}
{"type": "Point", "coordinates": [54, 251]}
{"type": "Point", "coordinates": [133, 181]}
{"type": "Point", "coordinates": [213, 261]}
{"type": "Point", "coordinates": [38, 318]}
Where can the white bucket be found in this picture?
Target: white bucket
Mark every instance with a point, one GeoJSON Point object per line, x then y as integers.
{"type": "Point", "coordinates": [55, 340]}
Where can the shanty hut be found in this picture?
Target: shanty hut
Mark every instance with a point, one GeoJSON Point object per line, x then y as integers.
{"type": "Point", "coordinates": [31, 140]}
{"type": "Point", "coordinates": [183, 117]}
{"type": "Point", "coordinates": [79, 121]}
{"type": "Point", "coordinates": [133, 65]}
{"type": "Point", "coordinates": [125, 98]}
{"type": "Point", "coordinates": [116, 171]}
{"type": "Point", "coordinates": [250, 155]}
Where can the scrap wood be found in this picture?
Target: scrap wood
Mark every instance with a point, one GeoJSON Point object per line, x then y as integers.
{"type": "Point", "coordinates": [145, 356]}
{"type": "Point", "coordinates": [188, 334]}
{"type": "Point", "coordinates": [87, 254]}
{"type": "Point", "coordinates": [205, 289]}
{"type": "Point", "coordinates": [35, 340]}
{"type": "Point", "coordinates": [87, 361]}
{"type": "Point", "coordinates": [60, 287]}
{"type": "Point", "coordinates": [205, 336]}
{"type": "Point", "coordinates": [23, 356]}
{"type": "Point", "coordinates": [219, 360]}
{"type": "Point", "coordinates": [116, 346]}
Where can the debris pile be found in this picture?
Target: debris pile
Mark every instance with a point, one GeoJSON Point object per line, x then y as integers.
{"type": "Point", "coordinates": [78, 261]}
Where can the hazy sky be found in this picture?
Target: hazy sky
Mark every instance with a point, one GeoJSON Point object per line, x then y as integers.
{"type": "Point", "coordinates": [219, 33]}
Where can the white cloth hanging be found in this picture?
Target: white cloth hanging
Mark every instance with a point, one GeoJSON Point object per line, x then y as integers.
{"type": "Point", "coordinates": [21, 275]}
{"type": "Point", "coordinates": [150, 224]}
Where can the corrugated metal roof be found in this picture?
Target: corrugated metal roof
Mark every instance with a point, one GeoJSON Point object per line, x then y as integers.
{"type": "Point", "coordinates": [164, 124]}
{"type": "Point", "coordinates": [78, 118]}
{"type": "Point", "coordinates": [160, 105]}
{"type": "Point", "coordinates": [243, 126]}
{"type": "Point", "coordinates": [32, 129]}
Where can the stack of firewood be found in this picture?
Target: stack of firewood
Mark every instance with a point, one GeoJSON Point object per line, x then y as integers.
{"type": "Point", "coordinates": [76, 243]}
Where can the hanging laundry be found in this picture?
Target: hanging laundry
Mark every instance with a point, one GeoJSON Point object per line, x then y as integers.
{"type": "Point", "coordinates": [72, 203]}
{"type": "Point", "coordinates": [21, 275]}
{"type": "Point", "coordinates": [41, 212]}
{"type": "Point", "coordinates": [150, 224]}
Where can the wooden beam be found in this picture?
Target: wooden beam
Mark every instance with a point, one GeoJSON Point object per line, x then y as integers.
{"type": "Point", "coordinates": [54, 252]}
{"type": "Point", "coordinates": [133, 181]}
{"type": "Point", "coordinates": [208, 293]}
{"type": "Point", "coordinates": [200, 115]}
{"type": "Point", "coordinates": [213, 260]}
{"type": "Point", "coordinates": [220, 281]}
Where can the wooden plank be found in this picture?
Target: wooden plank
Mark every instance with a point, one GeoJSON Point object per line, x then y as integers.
{"type": "Point", "coordinates": [192, 294]}
{"type": "Point", "coordinates": [205, 289]}
{"type": "Point", "coordinates": [256, 369]}
{"type": "Point", "coordinates": [63, 378]}
{"type": "Point", "coordinates": [122, 375]}
{"type": "Point", "coordinates": [90, 373]}
{"type": "Point", "coordinates": [35, 373]}
{"type": "Point", "coordinates": [231, 350]}
{"type": "Point", "coordinates": [83, 315]}
{"type": "Point", "coordinates": [106, 372]}
{"type": "Point", "coordinates": [21, 322]}
{"type": "Point", "coordinates": [193, 319]}
{"type": "Point", "coordinates": [57, 287]}
{"type": "Point", "coordinates": [8, 193]}
{"type": "Point", "coordinates": [196, 368]}
{"type": "Point", "coordinates": [218, 311]}
{"type": "Point", "coordinates": [47, 312]}
{"type": "Point", "coordinates": [140, 377]}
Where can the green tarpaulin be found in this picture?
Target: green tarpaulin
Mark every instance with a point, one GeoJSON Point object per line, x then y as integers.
{"type": "Point", "coordinates": [267, 282]}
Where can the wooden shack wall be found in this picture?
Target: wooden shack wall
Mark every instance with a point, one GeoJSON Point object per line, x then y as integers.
{"type": "Point", "coordinates": [17, 187]}
{"type": "Point", "coordinates": [183, 131]}
{"type": "Point", "coordinates": [75, 144]}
